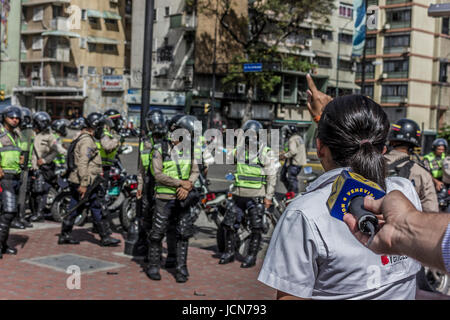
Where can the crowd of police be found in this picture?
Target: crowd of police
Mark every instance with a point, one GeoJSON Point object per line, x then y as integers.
{"type": "Point", "coordinates": [32, 143]}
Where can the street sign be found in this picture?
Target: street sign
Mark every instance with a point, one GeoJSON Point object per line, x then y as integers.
{"type": "Point", "coordinates": [253, 67]}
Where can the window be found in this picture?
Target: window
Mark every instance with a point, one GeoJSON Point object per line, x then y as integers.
{"type": "Point", "coordinates": [166, 41]}
{"type": "Point", "coordinates": [371, 43]}
{"type": "Point", "coordinates": [109, 48]}
{"type": "Point", "coordinates": [368, 91]}
{"type": "Point", "coordinates": [395, 90]}
{"type": "Point", "coordinates": [345, 38]}
{"type": "Point", "coordinates": [398, 16]}
{"type": "Point", "coordinates": [81, 72]}
{"type": "Point", "coordinates": [443, 72]}
{"type": "Point", "coordinates": [323, 34]}
{"type": "Point", "coordinates": [396, 66]}
{"type": "Point", "coordinates": [93, 20]}
{"type": "Point", "coordinates": [345, 65]}
{"type": "Point", "coordinates": [324, 62]}
{"type": "Point", "coordinates": [92, 70]}
{"type": "Point", "coordinates": [92, 47]}
{"type": "Point", "coordinates": [397, 41]}
{"type": "Point", "coordinates": [84, 14]}
{"type": "Point", "coordinates": [155, 15]}
{"type": "Point", "coordinates": [369, 67]}
{"type": "Point", "coordinates": [345, 10]}
{"type": "Point", "coordinates": [445, 25]}
{"type": "Point", "coordinates": [165, 54]}
{"type": "Point", "coordinates": [167, 11]}
{"type": "Point", "coordinates": [110, 21]}
{"type": "Point", "coordinates": [288, 85]}
{"type": "Point", "coordinates": [57, 11]}
{"type": "Point", "coordinates": [83, 43]}
{"type": "Point", "coordinates": [38, 14]}
{"type": "Point", "coordinates": [38, 43]}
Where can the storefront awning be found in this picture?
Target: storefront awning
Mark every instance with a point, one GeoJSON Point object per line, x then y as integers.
{"type": "Point", "coordinates": [102, 40]}
{"type": "Point", "coordinates": [59, 33]}
{"type": "Point", "coordinates": [94, 14]}
{"type": "Point", "coordinates": [111, 15]}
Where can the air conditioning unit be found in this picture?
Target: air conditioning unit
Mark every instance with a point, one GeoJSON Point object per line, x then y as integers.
{"type": "Point", "coordinates": [114, 1]}
{"type": "Point", "coordinates": [324, 37]}
{"type": "Point", "coordinates": [108, 71]}
{"type": "Point", "coordinates": [308, 43]}
{"type": "Point", "coordinates": [35, 74]}
{"type": "Point", "coordinates": [407, 50]}
{"type": "Point", "coordinates": [161, 72]}
{"type": "Point", "coordinates": [386, 26]}
{"type": "Point", "coordinates": [241, 88]}
{"type": "Point", "coordinates": [404, 100]}
{"type": "Point", "coordinates": [35, 83]}
{"type": "Point", "coordinates": [384, 76]}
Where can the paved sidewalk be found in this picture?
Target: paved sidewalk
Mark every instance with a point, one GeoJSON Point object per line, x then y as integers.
{"type": "Point", "coordinates": [38, 271]}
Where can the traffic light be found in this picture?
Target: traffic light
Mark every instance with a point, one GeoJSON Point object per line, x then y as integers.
{"type": "Point", "coordinates": [2, 95]}
{"type": "Point", "coordinates": [207, 107]}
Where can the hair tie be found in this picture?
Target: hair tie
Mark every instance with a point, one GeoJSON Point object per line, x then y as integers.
{"type": "Point", "coordinates": [364, 142]}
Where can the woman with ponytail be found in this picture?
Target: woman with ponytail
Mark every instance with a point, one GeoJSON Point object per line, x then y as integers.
{"type": "Point", "coordinates": [311, 254]}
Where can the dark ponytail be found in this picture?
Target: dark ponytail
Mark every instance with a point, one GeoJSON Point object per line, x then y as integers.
{"type": "Point", "coordinates": [355, 128]}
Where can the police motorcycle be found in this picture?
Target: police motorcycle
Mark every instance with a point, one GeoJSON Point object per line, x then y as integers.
{"type": "Point", "coordinates": [306, 177]}
{"type": "Point", "coordinates": [221, 202]}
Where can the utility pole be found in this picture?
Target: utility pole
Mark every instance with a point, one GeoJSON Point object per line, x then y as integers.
{"type": "Point", "coordinates": [213, 95]}
{"type": "Point", "coordinates": [338, 54]}
{"type": "Point", "coordinates": [132, 241]}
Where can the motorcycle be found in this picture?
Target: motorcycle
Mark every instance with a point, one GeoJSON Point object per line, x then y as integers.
{"type": "Point", "coordinates": [305, 179]}
{"type": "Point", "coordinates": [444, 199]}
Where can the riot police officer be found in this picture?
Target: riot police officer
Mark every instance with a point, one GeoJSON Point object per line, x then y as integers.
{"type": "Point", "coordinates": [84, 181]}
{"type": "Point", "coordinates": [59, 129]}
{"type": "Point", "coordinates": [11, 159]}
{"type": "Point", "coordinates": [175, 173]}
{"type": "Point", "coordinates": [109, 141]}
{"type": "Point", "coordinates": [255, 187]}
{"type": "Point", "coordinates": [433, 161]}
{"type": "Point", "coordinates": [294, 154]}
{"type": "Point", "coordinates": [403, 137]}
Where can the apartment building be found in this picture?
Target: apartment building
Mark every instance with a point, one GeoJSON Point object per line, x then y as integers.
{"type": "Point", "coordinates": [9, 48]}
{"type": "Point", "coordinates": [72, 59]}
{"type": "Point", "coordinates": [407, 59]}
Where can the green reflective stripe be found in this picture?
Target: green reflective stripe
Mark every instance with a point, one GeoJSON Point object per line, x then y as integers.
{"type": "Point", "coordinates": [10, 157]}
{"type": "Point", "coordinates": [249, 178]}
{"type": "Point", "coordinates": [170, 169]}
{"type": "Point", "coordinates": [435, 164]}
{"type": "Point", "coordinates": [250, 175]}
{"type": "Point", "coordinates": [107, 158]}
{"type": "Point", "coordinates": [10, 148]}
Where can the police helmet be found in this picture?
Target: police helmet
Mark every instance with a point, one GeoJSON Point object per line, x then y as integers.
{"type": "Point", "coordinates": [252, 125]}
{"type": "Point", "coordinates": [26, 118]}
{"type": "Point", "coordinates": [115, 118]}
{"type": "Point", "coordinates": [60, 127]}
{"type": "Point", "coordinates": [171, 123]}
{"type": "Point", "coordinates": [186, 122]}
{"type": "Point", "coordinates": [440, 142]}
{"type": "Point", "coordinates": [78, 124]}
{"type": "Point", "coordinates": [156, 122]}
{"type": "Point", "coordinates": [95, 120]}
{"type": "Point", "coordinates": [405, 130]}
{"type": "Point", "coordinates": [41, 120]}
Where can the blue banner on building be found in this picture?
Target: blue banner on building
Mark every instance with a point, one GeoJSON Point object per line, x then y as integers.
{"type": "Point", "coordinates": [359, 37]}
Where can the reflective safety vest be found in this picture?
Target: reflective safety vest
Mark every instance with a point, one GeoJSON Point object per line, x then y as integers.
{"type": "Point", "coordinates": [10, 156]}
{"type": "Point", "coordinates": [250, 174]}
{"type": "Point", "coordinates": [179, 169]}
{"type": "Point", "coordinates": [60, 159]}
{"type": "Point", "coordinates": [198, 147]}
{"type": "Point", "coordinates": [435, 164]}
{"type": "Point", "coordinates": [107, 158]}
{"type": "Point", "coordinates": [146, 153]}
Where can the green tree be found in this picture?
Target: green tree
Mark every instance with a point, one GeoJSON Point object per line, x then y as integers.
{"type": "Point", "coordinates": [260, 34]}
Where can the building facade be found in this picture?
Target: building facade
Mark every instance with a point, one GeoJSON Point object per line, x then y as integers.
{"type": "Point", "coordinates": [9, 48]}
{"type": "Point", "coordinates": [72, 59]}
{"type": "Point", "coordinates": [407, 58]}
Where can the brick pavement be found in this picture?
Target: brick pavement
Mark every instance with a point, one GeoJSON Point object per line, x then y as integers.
{"type": "Point", "coordinates": [21, 279]}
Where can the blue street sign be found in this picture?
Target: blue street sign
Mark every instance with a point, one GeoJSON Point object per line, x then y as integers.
{"type": "Point", "coordinates": [253, 67]}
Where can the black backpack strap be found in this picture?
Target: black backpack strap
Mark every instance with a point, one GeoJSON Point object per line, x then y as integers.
{"type": "Point", "coordinates": [402, 171]}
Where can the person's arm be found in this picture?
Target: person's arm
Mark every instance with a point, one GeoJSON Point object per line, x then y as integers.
{"type": "Point", "coordinates": [406, 231]}
{"type": "Point", "coordinates": [317, 101]}
{"type": "Point", "coordinates": [293, 149]}
{"type": "Point", "coordinates": [109, 144]}
{"type": "Point", "coordinates": [160, 177]}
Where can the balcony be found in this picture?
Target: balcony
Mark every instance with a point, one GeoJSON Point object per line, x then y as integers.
{"type": "Point", "coordinates": [388, 50]}
{"type": "Point", "coordinates": [397, 75]}
{"type": "Point", "coordinates": [394, 99]}
{"type": "Point", "coordinates": [368, 75]}
{"type": "Point", "coordinates": [183, 21]}
{"type": "Point", "coordinates": [399, 24]}
{"type": "Point", "coordinates": [372, 3]}
{"type": "Point", "coordinates": [28, 3]}
{"type": "Point", "coordinates": [70, 81]}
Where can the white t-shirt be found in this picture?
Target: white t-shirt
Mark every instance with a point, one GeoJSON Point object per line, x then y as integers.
{"type": "Point", "coordinates": [314, 255]}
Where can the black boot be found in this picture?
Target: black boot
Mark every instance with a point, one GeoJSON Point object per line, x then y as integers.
{"type": "Point", "coordinates": [4, 233]}
{"type": "Point", "coordinates": [182, 273]}
{"type": "Point", "coordinates": [228, 254]}
{"type": "Point", "coordinates": [16, 224]}
{"type": "Point", "coordinates": [66, 230]}
{"type": "Point", "coordinates": [25, 223]}
{"type": "Point", "coordinates": [171, 240]}
{"type": "Point", "coordinates": [38, 215]}
{"type": "Point", "coordinates": [154, 260]}
{"type": "Point", "coordinates": [250, 259]}
{"type": "Point", "coordinates": [106, 240]}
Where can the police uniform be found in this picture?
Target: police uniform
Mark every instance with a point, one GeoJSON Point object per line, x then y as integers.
{"type": "Point", "coordinates": [255, 180]}
{"type": "Point", "coordinates": [295, 154]}
{"type": "Point", "coordinates": [168, 174]}
{"type": "Point", "coordinates": [10, 163]}
{"type": "Point", "coordinates": [60, 160]}
{"type": "Point", "coordinates": [446, 170]}
{"type": "Point", "coordinates": [88, 166]}
{"type": "Point", "coordinates": [420, 178]}
{"type": "Point", "coordinates": [108, 147]}
{"type": "Point", "coordinates": [434, 164]}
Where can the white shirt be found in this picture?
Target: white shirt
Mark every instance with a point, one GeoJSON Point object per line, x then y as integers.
{"type": "Point", "coordinates": [314, 255]}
